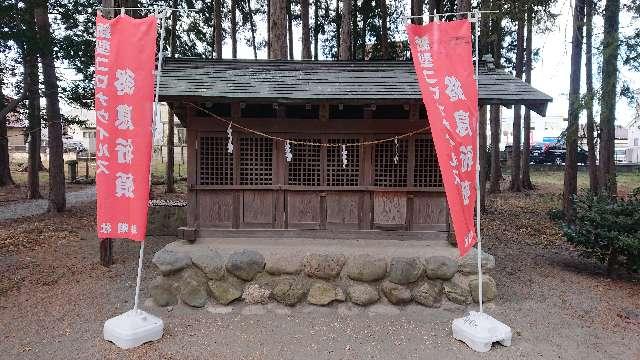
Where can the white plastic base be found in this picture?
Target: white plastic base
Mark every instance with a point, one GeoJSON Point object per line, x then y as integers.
{"type": "Point", "coordinates": [133, 328]}
{"type": "Point", "coordinates": [479, 331]}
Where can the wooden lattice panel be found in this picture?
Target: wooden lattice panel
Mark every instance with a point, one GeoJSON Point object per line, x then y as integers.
{"type": "Point", "coordinates": [337, 175]}
{"type": "Point", "coordinates": [304, 167]}
{"type": "Point", "coordinates": [427, 171]}
{"type": "Point", "coordinates": [216, 164]}
{"type": "Point", "coordinates": [387, 172]}
{"type": "Point", "coordinates": [256, 161]}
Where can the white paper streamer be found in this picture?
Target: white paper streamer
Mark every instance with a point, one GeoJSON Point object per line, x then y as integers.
{"type": "Point", "coordinates": [230, 143]}
{"type": "Point", "coordinates": [344, 156]}
{"type": "Point", "coordinates": [287, 151]}
{"type": "Point", "coordinates": [396, 157]}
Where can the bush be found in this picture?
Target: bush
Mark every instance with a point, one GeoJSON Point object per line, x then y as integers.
{"type": "Point", "coordinates": [607, 230]}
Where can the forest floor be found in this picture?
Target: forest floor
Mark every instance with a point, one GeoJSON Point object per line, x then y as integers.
{"type": "Point", "coordinates": [55, 297]}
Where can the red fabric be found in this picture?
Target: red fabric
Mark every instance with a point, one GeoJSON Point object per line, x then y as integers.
{"type": "Point", "coordinates": [442, 58]}
{"type": "Point", "coordinates": [125, 62]}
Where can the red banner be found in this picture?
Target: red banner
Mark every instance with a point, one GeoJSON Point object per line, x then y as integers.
{"type": "Point", "coordinates": [124, 66]}
{"type": "Point", "coordinates": [442, 58]}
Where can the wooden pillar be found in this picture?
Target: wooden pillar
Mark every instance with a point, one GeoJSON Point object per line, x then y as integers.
{"type": "Point", "coordinates": [106, 252]}
{"type": "Point", "coordinates": [410, 206]}
{"type": "Point", "coordinates": [323, 211]}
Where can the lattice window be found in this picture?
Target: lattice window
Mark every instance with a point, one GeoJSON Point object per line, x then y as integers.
{"type": "Point", "coordinates": [387, 172]}
{"type": "Point", "coordinates": [426, 172]}
{"type": "Point", "coordinates": [337, 175]}
{"type": "Point", "coordinates": [256, 161]}
{"type": "Point", "coordinates": [304, 168]}
{"type": "Point", "coordinates": [216, 164]}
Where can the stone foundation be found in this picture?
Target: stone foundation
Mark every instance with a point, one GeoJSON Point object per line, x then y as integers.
{"type": "Point", "coordinates": [196, 275]}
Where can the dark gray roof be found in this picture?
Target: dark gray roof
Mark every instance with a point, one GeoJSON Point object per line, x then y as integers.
{"type": "Point", "coordinates": [309, 81]}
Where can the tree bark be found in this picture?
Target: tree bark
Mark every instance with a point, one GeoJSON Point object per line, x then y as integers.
{"type": "Point", "coordinates": [290, 30]}
{"type": "Point", "coordinates": [217, 28]}
{"type": "Point", "coordinates": [384, 31]}
{"type": "Point", "coordinates": [417, 9]}
{"type": "Point", "coordinates": [306, 34]}
{"type": "Point", "coordinates": [496, 170]}
{"type": "Point", "coordinates": [316, 28]}
{"type": "Point", "coordinates": [278, 29]}
{"type": "Point", "coordinates": [252, 25]}
{"type": "Point", "coordinates": [588, 64]}
{"type": "Point", "coordinates": [5, 169]}
{"type": "Point", "coordinates": [169, 170]}
{"type": "Point", "coordinates": [345, 31]}
{"type": "Point", "coordinates": [30, 61]}
{"type": "Point", "coordinates": [482, 129]}
{"type": "Point", "coordinates": [516, 180]}
{"type": "Point", "coordinates": [526, 145]}
{"type": "Point", "coordinates": [435, 6]}
{"type": "Point", "coordinates": [57, 199]}
{"type": "Point", "coordinates": [234, 30]}
{"type": "Point", "coordinates": [363, 34]}
{"type": "Point", "coordinates": [338, 27]}
{"type": "Point", "coordinates": [463, 6]}
{"type": "Point", "coordinates": [610, 49]}
{"type": "Point", "coordinates": [571, 165]}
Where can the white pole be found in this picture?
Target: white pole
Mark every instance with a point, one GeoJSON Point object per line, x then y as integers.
{"type": "Point", "coordinates": [476, 18]}
{"type": "Point", "coordinates": [155, 108]}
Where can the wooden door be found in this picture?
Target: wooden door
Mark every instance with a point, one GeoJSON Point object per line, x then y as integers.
{"type": "Point", "coordinates": [389, 210]}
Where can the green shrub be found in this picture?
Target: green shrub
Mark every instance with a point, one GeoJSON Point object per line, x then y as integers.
{"type": "Point", "coordinates": [607, 230]}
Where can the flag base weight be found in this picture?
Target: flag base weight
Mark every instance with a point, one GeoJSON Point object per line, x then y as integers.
{"type": "Point", "coordinates": [479, 331]}
{"type": "Point", "coordinates": [133, 328]}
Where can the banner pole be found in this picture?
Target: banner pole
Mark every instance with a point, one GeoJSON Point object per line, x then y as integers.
{"type": "Point", "coordinates": [139, 279]}
{"type": "Point", "coordinates": [476, 19]}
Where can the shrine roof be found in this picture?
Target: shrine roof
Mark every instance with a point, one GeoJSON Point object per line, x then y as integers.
{"type": "Point", "coordinates": [325, 81]}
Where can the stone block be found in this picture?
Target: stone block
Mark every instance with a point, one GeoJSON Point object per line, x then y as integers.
{"type": "Point", "coordinates": [323, 266]}
{"type": "Point", "coordinates": [164, 291]}
{"type": "Point", "coordinates": [256, 294]}
{"type": "Point", "coordinates": [489, 289]}
{"type": "Point", "coordinates": [170, 261]}
{"type": "Point", "coordinates": [366, 268]}
{"type": "Point", "coordinates": [245, 264]}
{"type": "Point", "coordinates": [224, 292]}
{"type": "Point", "coordinates": [323, 293]}
{"type": "Point", "coordinates": [362, 294]}
{"type": "Point", "coordinates": [468, 264]}
{"type": "Point", "coordinates": [193, 288]}
{"type": "Point", "coordinates": [289, 290]}
{"type": "Point", "coordinates": [429, 293]}
{"type": "Point", "coordinates": [457, 290]}
{"type": "Point", "coordinates": [279, 265]}
{"type": "Point", "coordinates": [211, 262]}
{"type": "Point", "coordinates": [440, 267]}
{"type": "Point", "coordinates": [404, 271]}
{"type": "Point", "coordinates": [396, 294]}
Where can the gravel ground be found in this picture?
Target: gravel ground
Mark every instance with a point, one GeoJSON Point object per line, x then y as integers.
{"type": "Point", "coordinates": [22, 208]}
{"type": "Point", "coordinates": [558, 305]}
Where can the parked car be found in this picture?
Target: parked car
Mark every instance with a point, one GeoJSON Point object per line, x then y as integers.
{"type": "Point", "coordinates": [73, 146]}
{"type": "Point", "coordinates": [554, 154]}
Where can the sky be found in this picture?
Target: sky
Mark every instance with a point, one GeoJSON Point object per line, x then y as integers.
{"type": "Point", "coordinates": [550, 73]}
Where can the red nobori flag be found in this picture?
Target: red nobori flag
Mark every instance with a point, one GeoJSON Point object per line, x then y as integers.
{"type": "Point", "coordinates": [125, 61]}
{"type": "Point", "coordinates": [442, 58]}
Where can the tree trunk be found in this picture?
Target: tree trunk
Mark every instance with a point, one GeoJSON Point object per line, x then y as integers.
{"type": "Point", "coordinates": [571, 165]}
{"type": "Point", "coordinates": [252, 25]}
{"type": "Point", "coordinates": [338, 27]}
{"type": "Point", "coordinates": [169, 170]}
{"type": "Point", "coordinates": [610, 48]}
{"type": "Point", "coordinates": [384, 31]}
{"type": "Point", "coordinates": [278, 29]}
{"type": "Point", "coordinates": [234, 30]}
{"type": "Point", "coordinates": [30, 61]}
{"type": "Point", "coordinates": [5, 169]}
{"type": "Point", "coordinates": [588, 64]}
{"type": "Point", "coordinates": [290, 30]}
{"type": "Point", "coordinates": [417, 9]}
{"type": "Point", "coordinates": [354, 28]}
{"type": "Point", "coordinates": [526, 145]}
{"type": "Point", "coordinates": [57, 200]}
{"type": "Point", "coordinates": [217, 28]}
{"type": "Point", "coordinates": [345, 31]}
{"type": "Point", "coordinates": [482, 148]}
{"type": "Point", "coordinates": [316, 28]}
{"type": "Point", "coordinates": [516, 180]}
{"type": "Point", "coordinates": [363, 34]}
{"type": "Point", "coordinates": [463, 6]}
{"type": "Point", "coordinates": [306, 35]}
{"type": "Point", "coordinates": [496, 171]}
{"type": "Point", "coordinates": [435, 6]}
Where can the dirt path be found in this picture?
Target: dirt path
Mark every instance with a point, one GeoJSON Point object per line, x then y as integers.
{"type": "Point", "coordinates": [22, 208]}
{"type": "Point", "coordinates": [54, 298]}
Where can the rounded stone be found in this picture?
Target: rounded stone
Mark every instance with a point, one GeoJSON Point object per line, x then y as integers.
{"type": "Point", "coordinates": [489, 289]}
{"type": "Point", "coordinates": [468, 264]}
{"type": "Point", "coordinates": [224, 292]}
{"type": "Point", "coordinates": [193, 288]}
{"type": "Point", "coordinates": [404, 271]}
{"type": "Point", "coordinates": [323, 293]}
{"type": "Point", "coordinates": [457, 290]}
{"type": "Point", "coordinates": [170, 261]}
{"type": "Point", "coordinates": [256, 294]}
{"type": "Point", "coordinates": [396, 294]}
{"type": "Point", "coordinates": [440, 267]}
{"type": "Point", "coordinates": [362, 294]}
{"type": "Point", "coordinates": [429, 293]}
{"type": "Point", "coordinates": [245, 264]}
{"type": "Point", "coordinates": [279, 265]}
{"type": "Point", "coordinates": [289, 291]}
{"type": "Point", "coordinates": [211, 262]}
{"type": "Point", "coordinates": [323, 266]}
{"type": "Point", "coordinates": [366, 268]}
{"type": "Point", "coordinates": [164, 291]}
